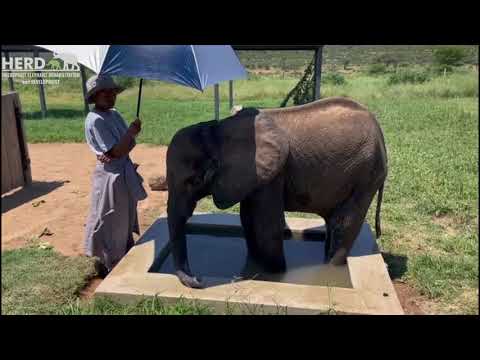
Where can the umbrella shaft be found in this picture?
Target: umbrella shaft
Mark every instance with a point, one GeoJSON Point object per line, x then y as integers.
{"type": "Point", "coordinates": [139, 97]}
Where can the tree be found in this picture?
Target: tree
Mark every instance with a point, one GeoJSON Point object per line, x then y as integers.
{"type": "Point", "coordinates": [447, 57]}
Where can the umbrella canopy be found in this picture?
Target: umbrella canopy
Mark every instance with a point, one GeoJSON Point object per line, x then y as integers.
{"type": "Point", "coordinates": [196, 66]}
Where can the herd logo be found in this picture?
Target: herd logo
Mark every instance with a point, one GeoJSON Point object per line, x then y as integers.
{"type": "Point", "coordinates": [69, 60]}
{"type": "Point", "coordinates": [59, 62]}
{"type": "Point", "coordinates": [54, 64]}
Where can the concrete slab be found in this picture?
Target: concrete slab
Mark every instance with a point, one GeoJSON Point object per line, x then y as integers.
{"type": "Point", "coordinates": [218, 252]}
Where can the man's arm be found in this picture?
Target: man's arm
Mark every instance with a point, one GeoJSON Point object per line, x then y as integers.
{"type": "Point", "coordinates": [133, 143]}
{"type": "Point", "coordinates": [127, 142]}
{"type": "Point", "coordinates": [124, 146]}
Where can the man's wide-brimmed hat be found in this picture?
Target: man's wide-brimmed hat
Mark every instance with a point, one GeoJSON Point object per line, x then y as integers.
{"type": "Point", "coordinates": [101, 82]}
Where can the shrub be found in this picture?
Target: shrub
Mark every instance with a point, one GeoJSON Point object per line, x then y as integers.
{"type": "Point", "coordinates": [408, 76]}
{"type": "Point", "coordinates": [449, 57]}
{"type": "Point", "coordinates": [333, 78]}
{"type": "Point", "coordinates": [377, 69]}
{"type": "Point", "coordinates": [387, 59]}
{"type": "Point", "coordinates": [438, 69]}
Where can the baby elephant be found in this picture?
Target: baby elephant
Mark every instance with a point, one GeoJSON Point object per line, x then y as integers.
{"type": "Point", "coordinates": [327, 158]}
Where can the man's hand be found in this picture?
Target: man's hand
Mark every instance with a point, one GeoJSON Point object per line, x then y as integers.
{"type": "Point", "coordinates": [127, 141]}
{"type": "Point", "coordinates": [105, 159]}
{"type": "Point", "coordinates": [135, 127]}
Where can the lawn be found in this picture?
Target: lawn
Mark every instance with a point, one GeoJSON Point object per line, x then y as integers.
{"type": "Point", "coordinates": [38, 280]}
{"type": "Point", "coordinates": [430, 209]}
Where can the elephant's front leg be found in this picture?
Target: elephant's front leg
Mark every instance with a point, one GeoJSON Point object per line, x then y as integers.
{"type": "Point", "coordinates": [267, 214]}
{"type": "Point", "coordinates": [248, 225]}
{"type": "Point", "coordinates": [178, 214]}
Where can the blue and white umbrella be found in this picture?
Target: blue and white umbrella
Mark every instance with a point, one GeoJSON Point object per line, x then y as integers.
{"type": "Point", "coordinates": [195, 66]}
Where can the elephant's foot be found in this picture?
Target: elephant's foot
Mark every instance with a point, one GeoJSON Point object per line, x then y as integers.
{"type": "Point", "coordinates": [266, 263]}
{"type": "Point", "coordinates": [189, 280]}
{"type": "Point", "coordinates": [276, 265]}
{"type": "Point", "coordinates": [340, 257]}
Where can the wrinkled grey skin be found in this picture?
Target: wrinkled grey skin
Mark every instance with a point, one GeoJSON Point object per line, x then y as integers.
{"type": "Point", "coordinates": [327, 158]}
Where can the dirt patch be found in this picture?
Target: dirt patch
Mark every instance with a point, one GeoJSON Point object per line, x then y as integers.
{"type": "Point", "coordinates": [448, 224]}
{"type": "Point", "coordinates": [59, 198]}
{"type": "Point", "coordinates": [409, 299]}
{"type": "Point", "coordinates": [415, 238]}
{"type": "Point", "coordinates": [464, 303]}
{"type": "Point", "coordinates": [89, 290]}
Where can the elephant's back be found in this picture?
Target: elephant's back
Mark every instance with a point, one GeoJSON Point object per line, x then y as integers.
{"type": "Point", "coordinates": [342, 122]}
{"type": "Point", "coordinates": [334, 143]}
{"type": "Point", "coordinates": [319, 105]}
{"type": "Point", "coordinates": [339, 127]}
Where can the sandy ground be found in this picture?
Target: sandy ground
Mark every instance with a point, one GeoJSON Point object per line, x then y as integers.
{"type": "Point", "coordinates": [62, 179]}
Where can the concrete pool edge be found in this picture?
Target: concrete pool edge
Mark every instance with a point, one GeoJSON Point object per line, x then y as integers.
{"type": "Point", "coordinates": [372, 291]}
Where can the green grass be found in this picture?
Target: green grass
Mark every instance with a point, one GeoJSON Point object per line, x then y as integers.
{"type": "Point", "coordinates": [165, 108]}
{"type": "Point", "coordinates": [430, 209]}
{"type": "Point", "coordinates": [40, 281]}
{"type": "Point", "coordinates": [153, 306]}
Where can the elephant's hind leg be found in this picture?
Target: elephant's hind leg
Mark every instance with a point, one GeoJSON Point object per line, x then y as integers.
{"type": "Point", "coordinates": [346, 224]}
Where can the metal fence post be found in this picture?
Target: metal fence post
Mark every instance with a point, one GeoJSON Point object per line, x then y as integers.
{"type": "Point", "coordinates": [318, 71]}
{"type": "Point", "coordinates": [41, 91]}
{"type": "Point", "coordinates": [10, 80]}
{"type": "Point", "coordinates": [84, 88]}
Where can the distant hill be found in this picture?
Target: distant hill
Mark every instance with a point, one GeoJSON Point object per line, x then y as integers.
{"type": "Point", "coordinates": [355, 54]}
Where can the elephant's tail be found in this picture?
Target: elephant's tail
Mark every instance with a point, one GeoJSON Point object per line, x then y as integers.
{"type": "Point", "coordinates": [379, 206]}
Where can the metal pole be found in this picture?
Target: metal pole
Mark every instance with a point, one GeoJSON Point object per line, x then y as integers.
{"type": "Point", "coordinates": [41, 91]}
{"type": "Point", "coordinates": [83, 78]}
{"type": "Point", "coordinates": [318, 71]}
{"type": "Point", "coordinates": [230, 93]}
{"type": "Point", "coordinates": [217, 101]}
{"type": "Point", "coordinates": [10, 80]}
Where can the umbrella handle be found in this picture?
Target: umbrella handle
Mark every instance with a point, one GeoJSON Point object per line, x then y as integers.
{"type": "Point", "coordinates": [139, 97]}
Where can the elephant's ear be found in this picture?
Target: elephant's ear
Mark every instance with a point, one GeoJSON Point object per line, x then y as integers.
{"type": "Point", "coordinates": [253, 151]}
{"type": "Point", "coordinates": [272, 149]}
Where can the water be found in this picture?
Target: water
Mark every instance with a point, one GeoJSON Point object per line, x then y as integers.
{"type": "Point", "coordinates": [226, 257]}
